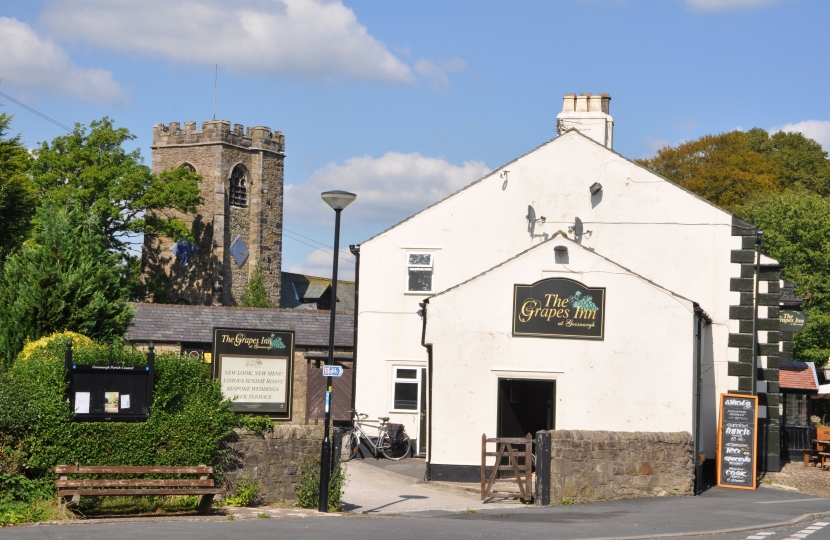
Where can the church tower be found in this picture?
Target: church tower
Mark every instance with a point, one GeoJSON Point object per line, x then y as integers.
{"type": "Point", "coordinates": [239, 222]}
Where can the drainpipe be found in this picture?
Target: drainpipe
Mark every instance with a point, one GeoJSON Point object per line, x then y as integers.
{"type": "Point", "coordinates": [423, 313]}
{"type": "Point", "coordinates": [355, 249]}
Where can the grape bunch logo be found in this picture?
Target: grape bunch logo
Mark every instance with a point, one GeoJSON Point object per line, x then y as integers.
{"type": "Point", "coordinates": [276, 342]}
{"type": "Point", "coordinates": [584, 303]}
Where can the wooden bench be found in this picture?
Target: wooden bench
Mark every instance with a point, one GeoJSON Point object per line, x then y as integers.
{"type": "Point", "coordinates": [810, 456]}
{"type": "Point", "coordinates": [202, 486]}
{"type": "Point", "coordinates": [823, 456]}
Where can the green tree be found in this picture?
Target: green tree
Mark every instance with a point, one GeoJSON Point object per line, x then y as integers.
{"type": "Point", "coordinates": [62, 278]}
{"type": "Point", "coordinates": [796, 227]}
{"type": "Point", "coordinates": [18, 198]}
{"type": "Point", "coordinates": [255, 294]}
{"type": "Point", "coordinates": [92, 169]}
{"type": "Point", "coordinates": [728, 168]}
{"type": "Point", "coordinates": [722, 169]}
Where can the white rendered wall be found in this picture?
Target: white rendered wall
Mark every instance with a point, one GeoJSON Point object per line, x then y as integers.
{"type": "Point", "coordinates": [639, 378]}
{"type": "Point", "coordinates": [638, 220]}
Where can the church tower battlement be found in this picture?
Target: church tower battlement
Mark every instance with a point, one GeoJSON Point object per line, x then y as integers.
{"type": "Point", "coordinates": [239, 222]}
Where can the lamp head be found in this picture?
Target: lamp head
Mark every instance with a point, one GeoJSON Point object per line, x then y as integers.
{"type": "Point", "coordinates": [338, 200]}
{"type": "Point", "coordinates": [595, 188]}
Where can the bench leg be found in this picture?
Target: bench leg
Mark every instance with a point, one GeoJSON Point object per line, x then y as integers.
{"type": "Point", "coordinates": [205, 504]}
{"type": "Point", "coordinates": [65, 502]}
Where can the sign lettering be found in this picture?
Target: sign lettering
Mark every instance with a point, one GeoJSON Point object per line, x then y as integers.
{"type": "Point", "coordinates": [559, 308]}
{"type": "Point", "coordinates": [737, 441]}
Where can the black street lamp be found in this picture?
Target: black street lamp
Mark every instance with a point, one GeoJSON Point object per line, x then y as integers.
{"type": "Point", "coordinates": [338, 200]}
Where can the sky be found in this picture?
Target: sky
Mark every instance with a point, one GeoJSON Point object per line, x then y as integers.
{"type": "Point", "coordinates": [404, 103]}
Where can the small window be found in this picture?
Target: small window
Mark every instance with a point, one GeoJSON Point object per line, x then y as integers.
{"type": "Point", "coordinates": [419, 271]}
{"type": "Point", "coordinates": [238, 191]}
{"type": "Point", "coordinates": [405, 388]}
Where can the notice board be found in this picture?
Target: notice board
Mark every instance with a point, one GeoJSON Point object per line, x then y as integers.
{"type": "Point", "coordinates": [737, 441]}
{"type": "Point", "coordinates": [255, 369]}
{"type": "Point", "coordinates": [110, 393]}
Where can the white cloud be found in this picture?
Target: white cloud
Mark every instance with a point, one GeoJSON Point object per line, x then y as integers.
{"type": "Point", "coordinates": [28, 61]}
{"type": "Point", "coordinates": [319, 263]}
{"type": "Point", "coordinates": [312, 38]}
{"type": "Point", "coordinates": [389, 189]}
{"type": "Point", "coordinates": [437, 72]}
{"type": "Point", "coordinates": [818, 130]}
{"type": "Point", "coordinates": [722, 5]}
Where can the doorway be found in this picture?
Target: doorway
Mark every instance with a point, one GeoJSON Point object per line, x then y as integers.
{"type": "Point", "coordinates": [525, 406]}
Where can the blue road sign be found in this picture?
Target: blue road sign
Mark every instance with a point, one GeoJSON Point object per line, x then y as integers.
{"type": "Point", "coordinates": [332, 371]}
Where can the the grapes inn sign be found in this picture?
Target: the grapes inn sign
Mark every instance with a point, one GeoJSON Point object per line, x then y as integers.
{"type": "Point", "coordinates": [559, 308]}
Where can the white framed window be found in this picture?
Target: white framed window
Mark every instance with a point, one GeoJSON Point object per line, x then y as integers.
{"type": "Point", "coordinates": [420, 270]}
{"type": "Point", "coordinates": [406, 381]}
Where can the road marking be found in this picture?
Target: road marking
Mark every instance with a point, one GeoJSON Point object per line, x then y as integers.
{"type": "Point", "coordinates": [804, 533]}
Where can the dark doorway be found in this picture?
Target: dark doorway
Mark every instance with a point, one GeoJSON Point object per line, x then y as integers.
{"type": "Point", "coordinates": [525, 406]}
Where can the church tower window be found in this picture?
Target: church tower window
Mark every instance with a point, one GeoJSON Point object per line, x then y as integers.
{"type": "Point", "coordinates": [238, 189]}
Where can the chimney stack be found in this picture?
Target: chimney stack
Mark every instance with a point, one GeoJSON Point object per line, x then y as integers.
{"type": "Point", "coordinates": [588, 114]}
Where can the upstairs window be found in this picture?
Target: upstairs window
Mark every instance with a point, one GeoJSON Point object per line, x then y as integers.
{"type": "Point", "coordinates": [238, 190]}
{"type": "Point", "coordinates": [419, 272]}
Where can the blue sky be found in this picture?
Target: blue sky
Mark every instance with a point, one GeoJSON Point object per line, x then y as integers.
{"type": "Point", "coordinates": [405, 102]}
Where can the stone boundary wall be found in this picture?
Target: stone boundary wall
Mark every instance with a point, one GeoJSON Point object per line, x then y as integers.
{"type": "Point", "coordinates": [273, 458]}
{"type": "Point", "coordinates": [604, 465]}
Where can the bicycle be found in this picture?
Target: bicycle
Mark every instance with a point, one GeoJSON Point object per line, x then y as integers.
{"type": "Point", "coordinates": [391, 449]}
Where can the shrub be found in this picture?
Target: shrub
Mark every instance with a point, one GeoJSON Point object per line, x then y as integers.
{"type": "Point", "coordinates": [188, 419]}
{"type": "Point", "coordinates": [308, 486]}
{"type": "Point", "coordinates": [247, 493]}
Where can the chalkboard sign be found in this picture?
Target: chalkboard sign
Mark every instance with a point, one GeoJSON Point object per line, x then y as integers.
{"type": "Point", "coordinates": [255, 369]}
{"type": "Point", "coordinates": [737, 439]}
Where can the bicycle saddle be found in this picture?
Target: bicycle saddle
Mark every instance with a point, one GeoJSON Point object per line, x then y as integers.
{"type": "Point", "coordinates": [383, 418]}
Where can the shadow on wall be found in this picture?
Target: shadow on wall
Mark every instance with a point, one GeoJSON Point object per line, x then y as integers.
{"type": "Point", "coordinates": [169, 280]}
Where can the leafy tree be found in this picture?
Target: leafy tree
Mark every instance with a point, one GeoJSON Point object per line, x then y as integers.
{"type": "Point", "coordinates": [728, 168]}
{"type": "Point", "coordinates": [722, 169]}
{"type": "Point", "coordinates": [796, 227]}
{"type": "Point", "coordinates": [17, 194]}
{"type": "Point", "coordinates": [801, 162]}
{"type": "Point", "coordinates": [62, 278]}
{"type": "Point", "coordinates": [93, 170]}
{"type": "Point", "coordinates": [255, 294]}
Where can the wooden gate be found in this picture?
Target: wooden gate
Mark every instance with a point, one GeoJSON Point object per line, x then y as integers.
{"type": "Point", "coordinates": [523, 471]}
{"type": "Point", "coordinates": [316, 395]}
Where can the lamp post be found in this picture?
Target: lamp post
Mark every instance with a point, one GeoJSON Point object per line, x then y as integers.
{"type": "Point", "coordinates": [338, 200]}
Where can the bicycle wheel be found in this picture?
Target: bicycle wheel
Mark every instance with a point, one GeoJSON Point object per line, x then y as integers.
{"type": "Point", "coordinates": [394, 451]}
{"type": "Point", "coordinates": [349, 446]}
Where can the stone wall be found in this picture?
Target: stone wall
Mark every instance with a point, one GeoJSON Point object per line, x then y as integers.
{"type": "Point", "coordinates": [604, 465]}
{"type": "Point", "coordinates": [272, 458]}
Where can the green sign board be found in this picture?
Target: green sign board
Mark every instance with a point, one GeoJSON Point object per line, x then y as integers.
{"type": "Point", "coordinates": [791, 320]}
{"type": "Point", "coordinates": [559, 308]}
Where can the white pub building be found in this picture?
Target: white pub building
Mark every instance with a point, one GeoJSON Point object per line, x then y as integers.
{"type": "Point", "coordinates": [568, 289]}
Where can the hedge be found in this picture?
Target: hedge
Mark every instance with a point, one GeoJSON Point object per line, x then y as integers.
{"type": "Point", "coordinates": [187, 423]}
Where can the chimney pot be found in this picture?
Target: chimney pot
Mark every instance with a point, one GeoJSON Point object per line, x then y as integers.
{"type": "Point", "coordinates": [582, 103]}
{"type": "Point", "coordinates": [569, 104]}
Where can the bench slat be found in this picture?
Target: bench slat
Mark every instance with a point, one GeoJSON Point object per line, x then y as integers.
{"type": "Point", "coordinates": [147, 482]}
{"type": "Point", "coordinates": [128, 492]}
{"type": "Point", "coordinates": [72, 469]}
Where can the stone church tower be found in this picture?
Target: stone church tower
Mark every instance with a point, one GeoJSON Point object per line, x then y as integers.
{"type": "Point", "coordinates": [239, 222]}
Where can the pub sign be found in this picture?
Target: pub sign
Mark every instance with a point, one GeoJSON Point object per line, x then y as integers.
{"type": "Point", "coordinates": [254, 369]}
{"type": "Point", "coordinates": [559, 308]}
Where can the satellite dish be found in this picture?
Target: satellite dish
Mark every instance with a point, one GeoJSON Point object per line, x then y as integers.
{"type": "Point", "coordinates": [578, 228]}
{"type": "Point", "coordinates": [531, 214]}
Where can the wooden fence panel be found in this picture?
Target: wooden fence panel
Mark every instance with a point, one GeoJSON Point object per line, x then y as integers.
{"type": "Point", "coordinates": [316, 395]}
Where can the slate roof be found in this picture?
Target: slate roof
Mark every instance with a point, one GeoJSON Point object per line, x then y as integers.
{"type": "Point", "coordinates": [798, 376]}
{"type": "Point", "coordinates": [300, 291]}
{"type": "Point", "coordinates": [170, 323]}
